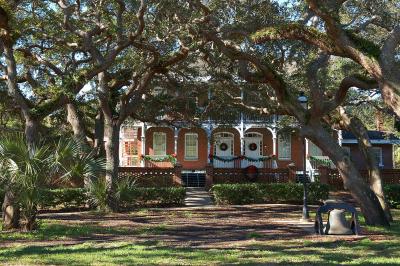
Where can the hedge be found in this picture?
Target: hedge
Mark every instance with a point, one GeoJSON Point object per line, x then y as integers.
{"type": "Point", "coordinates": [66, 198]}
{"type": "Point", "coordinates": [164, 196]}
{"type": "Point", "coordinates": [267, 193]}
{"type": "Point", "coordinates": [63, 197]}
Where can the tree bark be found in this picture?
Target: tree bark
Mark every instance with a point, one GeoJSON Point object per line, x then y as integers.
{"type": "Point", "coordinates": [364, 143]}
{"type": "Point", "coordinates": [99, 134]}
{"type": "Point", "coordinates": [10, 209]}
{"type": "Point", "coordinates": [76, 122]}
{"type": "Point", "coordinates": [111, 130]}
{"type": "Point", "coordinates": [352, 180]}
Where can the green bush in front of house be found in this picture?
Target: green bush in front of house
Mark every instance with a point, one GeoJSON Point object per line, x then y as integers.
{"type": "Point", "coordinates": [160, 196]}
{"type": "Point", "coordinates": [66, 198]}
{"type": "Point", "coordinates": [267, 193]}
{"type": "Point", "coordinates": [63, 198]}
{"type": "Point", "coordinates": [392, 193]}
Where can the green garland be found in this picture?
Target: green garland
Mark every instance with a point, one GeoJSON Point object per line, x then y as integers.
{"type": "Point", "coordinates": [242, 157]}
{"type": "Point", "coordinates": [325, 162]}
{"type": "Point", "coordinates": [167, 158]}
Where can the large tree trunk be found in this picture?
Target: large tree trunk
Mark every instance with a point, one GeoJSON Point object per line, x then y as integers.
{"type": "Point", "coordinates": [364, 143]}
{"type": "Point", "coordinates": [111, 130]}
{"type": "Point", "coordinates": [11, 212]}
{"type": "Point", "coordinates": [352, 180]}
{"type": "Point", "coordinates": [76, 123]}
{"type": "Point", "coordinates": [99, 134]}
{"type": "Point", "coordinates": [31, 131]}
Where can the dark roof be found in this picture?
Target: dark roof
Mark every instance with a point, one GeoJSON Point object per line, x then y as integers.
{"type": "Point", "coordinates": [373, 135]}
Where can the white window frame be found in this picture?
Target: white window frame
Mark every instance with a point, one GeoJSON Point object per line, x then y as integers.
{"type": "Point", "coordinates": [196, 157]}
{"type": "Point", "coordinates": [256, 135]}
{"type": "Point", "coordinates": [380, 155]}
{"type": "Point", "coordinates": [129, 160]}
{"type": "Point", "coordinates": [224, 134]}
{"type": "Point", "coordinates": [164, 151]}
{"type": "Point", "coordinates": [280, 147]}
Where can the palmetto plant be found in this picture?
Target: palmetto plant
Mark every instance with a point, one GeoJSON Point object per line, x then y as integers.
{"type": "Point", "coordinates": [27, 170]}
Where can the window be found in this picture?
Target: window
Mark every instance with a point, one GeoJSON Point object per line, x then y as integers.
{"type": "Point", "coordinates": [347, 150]}
{"type": "Point", "coordinates": [129, 147]}
{"type": "Point", "coordinates": [130, 132]}
{"type": "Point", "coordinates": [159, 144]}
{"type": "Point", "coordinates": [313, 150]}
{"type": "Point", "coordinates": [378, 155]}
{"type": "Point", "coordinates": [191, 146]}
{"type": "Point", "coordinates": [130, 153]}
{"type": "Point", "coordinates": [284, 147]}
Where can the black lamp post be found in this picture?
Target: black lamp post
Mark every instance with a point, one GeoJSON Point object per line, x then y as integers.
{"type": "Point", "coordinates": [303, 100]}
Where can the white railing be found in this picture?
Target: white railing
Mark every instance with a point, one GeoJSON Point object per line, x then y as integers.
{"type": "Point", "coordinates": [224, 164]}
{"type": "Point", "coordinates": [242, 162]}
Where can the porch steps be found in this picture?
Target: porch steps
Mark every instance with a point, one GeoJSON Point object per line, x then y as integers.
{"type": "Point", "coordinates": [197, 197]}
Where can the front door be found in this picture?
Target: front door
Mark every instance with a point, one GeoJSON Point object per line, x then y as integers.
{"type": "Point", "coordinates": [253, 149]}
{"type": "Point", "coordinates": [224, 149]}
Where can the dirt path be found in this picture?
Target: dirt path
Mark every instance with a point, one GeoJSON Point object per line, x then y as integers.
{"type": "Point", "coordinates": [212, 227]}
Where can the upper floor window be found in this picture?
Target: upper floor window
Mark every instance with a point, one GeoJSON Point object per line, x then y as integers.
{"type": "Point", "coordinates": [191, 146]}
{"type": "Point", "coordinates": [284, 146]}
{"type": "Point", "coordinates": [130, 132]}
{"type": "Point", "coordinates": [314, 150]}
{"type": "Point", "coordinates": [378, 155]}
{"type": "Point", "coordinates": [159, 143]}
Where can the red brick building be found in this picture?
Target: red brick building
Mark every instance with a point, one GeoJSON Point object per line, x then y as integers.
{"type": "Point", "coordinates": [251, 142]}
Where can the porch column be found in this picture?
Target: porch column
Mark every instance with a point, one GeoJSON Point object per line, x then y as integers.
{"type": "Point", "coordinates": [340, 137]}
{"type": "Point", "coordinates": [143, 138]}
{"type": "Point", "coordinates": [241, 141]}
{"type": "Point", "coordinates": [274, 141]}
{"type": "Point", "coordinates": [209, 144]}
{"type": "Point", "coordinates": [176, 132]}
{"type": "Point", "coordinates": [242, 126]}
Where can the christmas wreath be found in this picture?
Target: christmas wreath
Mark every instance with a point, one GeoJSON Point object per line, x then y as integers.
{"type": "Point", "coordinates": [223, 146]}
{"type": "Point", "coordinates": [253, 146]}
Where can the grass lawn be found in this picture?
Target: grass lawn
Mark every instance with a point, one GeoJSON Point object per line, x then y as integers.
{"type": "Point", "coordinates": [245, 235]}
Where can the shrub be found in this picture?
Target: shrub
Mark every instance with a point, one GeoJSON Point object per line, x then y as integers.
{"type": "Point", "coordinates": [271, 193]}
{"type": "Point", "coordinates": [129, 196]}
{"type": "Point", "coordinates": [154, 196]}
{"type": "Point", "coordinates": [392, 193]}
{"type": "Point", "coordinates": [63, 197]}
{"type": "Point", "coordinates": [97, 193]}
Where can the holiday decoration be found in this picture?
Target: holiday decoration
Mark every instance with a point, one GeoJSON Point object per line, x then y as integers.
{"type": "Point", "coordinates": [168, 158]}
{"type": "Point", "coordinates": [223, 146]}
{"type": "Point", "coordinates": [320, 161]}
{"type": "Point", "coordinates": [241, 157]}
{"type": "Point", "coordinates": [253, 146]}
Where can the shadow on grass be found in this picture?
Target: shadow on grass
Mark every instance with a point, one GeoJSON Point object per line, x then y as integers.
{"type": "Point", "coordinates": [152, 253]}
{"type": "Point", "coordinates": [52, 231]}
